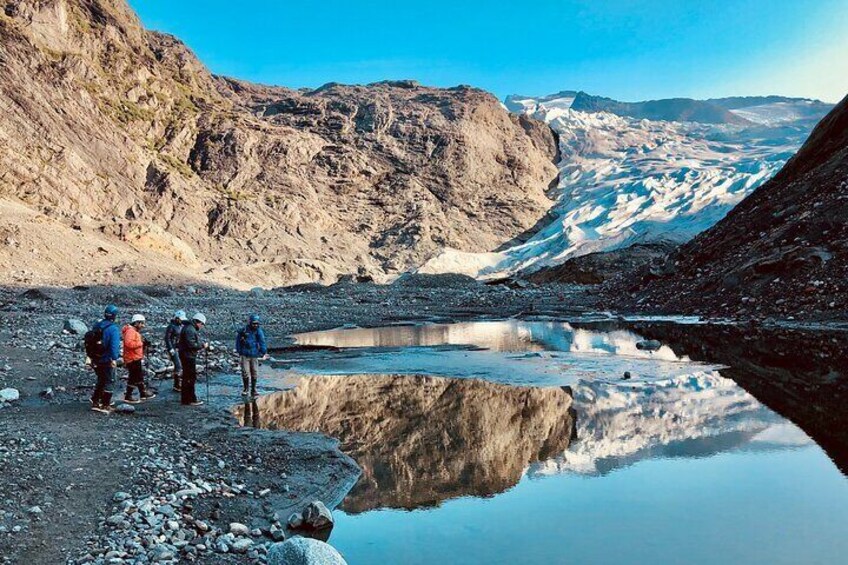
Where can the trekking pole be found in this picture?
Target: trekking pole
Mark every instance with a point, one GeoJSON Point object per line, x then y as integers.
{"type": "Point", "coordinates": [206, 371]}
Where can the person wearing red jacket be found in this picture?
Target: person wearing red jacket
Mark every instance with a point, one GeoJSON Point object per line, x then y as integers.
{"type": "Point", "coordinates": [133, 355]}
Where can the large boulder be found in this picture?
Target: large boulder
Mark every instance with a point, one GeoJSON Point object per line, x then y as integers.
{"type": "Point", "coordinates": [75, 326]}
{"type": "Point", "coordinates": [304, 551]}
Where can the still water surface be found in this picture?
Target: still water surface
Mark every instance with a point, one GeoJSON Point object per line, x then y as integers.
{"type": "Point", "coordinates": [473, 453]}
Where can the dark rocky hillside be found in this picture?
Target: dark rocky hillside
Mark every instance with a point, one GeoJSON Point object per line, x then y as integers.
{"type": "Point", "coordinates": [783, 251]}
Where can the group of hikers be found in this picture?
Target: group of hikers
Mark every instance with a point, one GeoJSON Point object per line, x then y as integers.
{"type": "Point", "coordinates": [106, 345]}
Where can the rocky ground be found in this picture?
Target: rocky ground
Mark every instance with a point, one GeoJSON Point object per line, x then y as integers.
{"type": "Point", "coordinates": [165, 482]}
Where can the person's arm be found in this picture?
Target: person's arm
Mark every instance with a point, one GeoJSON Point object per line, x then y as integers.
{"type": "Point", "coordinates": [193, 339]}
{"type": "Point", "coordinates": [170, 341]}
{"type": "Point", "coordinates": [112, 342]}
{"type": "Point", "coordinates": [263, 345]}
{"type": "Point", "coordinates": [238, 342]}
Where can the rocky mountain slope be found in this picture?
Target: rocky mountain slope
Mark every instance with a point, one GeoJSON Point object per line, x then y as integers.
{"type": "Point", "coordinates": [783, 251]}
{"type": "Point", "coordinates": [627, 180]}
{"type": "Point", "coordinates": [125, 159]}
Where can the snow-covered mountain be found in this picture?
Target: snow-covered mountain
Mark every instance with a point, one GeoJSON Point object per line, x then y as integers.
{"type": "Point", "coordinates": [627, 179]}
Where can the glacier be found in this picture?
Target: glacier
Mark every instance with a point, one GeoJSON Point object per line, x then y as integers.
{"type": "Point", "coordinates": [625, 180]}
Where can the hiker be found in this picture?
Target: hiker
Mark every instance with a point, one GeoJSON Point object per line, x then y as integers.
{"type": "Point", "coordinates": [103, 347]}
{"type": "Point", "coordinates": [172, 343]}
{"type": "Point", "coordinates": [134, 346]}
{"type": "Point", "coordinates": [190, 344]}
{"type": "Point", "coordinates": [251, 346]}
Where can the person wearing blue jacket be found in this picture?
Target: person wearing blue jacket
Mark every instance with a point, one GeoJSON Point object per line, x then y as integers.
{"type": "Point", "coordinates": [251, 346]}
{"type": "Point", "coordinates": [104, 366]}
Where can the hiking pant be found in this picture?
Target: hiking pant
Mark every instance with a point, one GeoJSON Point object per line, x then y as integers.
{"type": "Point", "coordinates": [178, 368]}
{"type": "Point", "coordinates": [135, 378]}
{"type": "Point", "coordinates": [187, 394]}
{"type": "Point", "coordinates": [103, 388]}
{"type": "Point", "coordinates": [249, 372]}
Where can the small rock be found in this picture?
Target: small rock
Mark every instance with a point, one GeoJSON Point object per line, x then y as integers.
{"type": "Point", "coordinates": [648, 345]}
{"type": "Point", "coordinates": [295, 520]}
{"type": "Point", "coordinates": [317, 516]}
{"type": "Point", "coordinates": [241, 545]}
{"type": "Point", "coordinates": [121, 496]}
{"type": "Point", "coordinates": [75, 326]}
{"type": "Point", "coordinates": [239, 529]}
{"type": "Point", "coordinates": [10, 395]}
{"type": "Point", "coordinates": [125, 409]}
{"type": "Point", "coordinates": [277, 534]}
{"type": "Point", "coordinates": [201, 526]}
{"type": "Point", "coordinates": [161, 553]}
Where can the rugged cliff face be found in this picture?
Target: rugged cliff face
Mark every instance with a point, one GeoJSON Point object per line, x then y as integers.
{"type": "Point", "coordinates": [140, 165]}
{"type": "Point", "coordinates": [782, 251]}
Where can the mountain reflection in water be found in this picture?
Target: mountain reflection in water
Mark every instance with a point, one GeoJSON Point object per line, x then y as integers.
{"type": "Point", "coordinates": [421, 440]}
{"type": "Point", "coordinates": [705, 452]}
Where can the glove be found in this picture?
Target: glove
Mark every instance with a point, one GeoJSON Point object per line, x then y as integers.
{"type": "Point", "coordinates": [172, 352]}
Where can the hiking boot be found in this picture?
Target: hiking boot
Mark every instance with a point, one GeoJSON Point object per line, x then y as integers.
{"type": "Point", "coordinates": [244, 392]}
{"type": "Point", "coordinates": [102, 409]}
{"type": "Point", "coordinates": [148, 396]}
{"type": "Point", "coordinates": [131, 400]}
{"type": "Point", "coordinates": [177, 389]}
{"type": "Point", "coordinates": [196, 403]}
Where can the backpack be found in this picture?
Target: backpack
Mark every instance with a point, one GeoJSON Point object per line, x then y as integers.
{"type": "Point", "coordinates": [93, 341]}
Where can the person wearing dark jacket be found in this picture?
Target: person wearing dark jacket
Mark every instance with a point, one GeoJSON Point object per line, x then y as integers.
{"type": "Point", "coordinates": [190, 344]}
{"type": "Point", "coordinates": [251, 346]}
{"type": "Point", "coordinates": [172, 344]}
{"type": "Point", "coordinates": [104, 367]}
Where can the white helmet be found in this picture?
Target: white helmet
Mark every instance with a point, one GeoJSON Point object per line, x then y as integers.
{"type": "Point", "coordinates": [199, 318]}
{"type": "Point", "coordinates": [137, 318]}
{"type": "Point", "coordinates": [180, 315]}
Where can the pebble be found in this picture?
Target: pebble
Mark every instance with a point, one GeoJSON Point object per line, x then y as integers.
{"type": "Point", "coordinates": [10, 395]}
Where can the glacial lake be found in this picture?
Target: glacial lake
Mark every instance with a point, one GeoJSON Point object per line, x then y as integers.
{"type": "Point", "coordinates": [522, 442]}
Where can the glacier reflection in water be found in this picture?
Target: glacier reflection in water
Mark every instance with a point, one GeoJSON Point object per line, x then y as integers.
{"type": "Point", "coordinates": [509, 351]}
{"type": "Point", "coordinates": [500, 474]}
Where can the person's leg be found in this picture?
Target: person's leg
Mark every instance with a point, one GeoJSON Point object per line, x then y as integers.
{"type": "Point", "coordinates": [178, 370]}
{"type": "Point", "coordinates": [134, 378]}
{"type": "Point", "coordinates": [244, 362]}
{"type": "Point", "coordinates": [188, 370]}
{"type": "Point", "coordinates": [110, 380]}
{"type": "Point", "coordinates": [192, 387]}
{"type": "Point", "coordinates": [100, 386]}
{"type": "Point", "coordinates": [254, 375]}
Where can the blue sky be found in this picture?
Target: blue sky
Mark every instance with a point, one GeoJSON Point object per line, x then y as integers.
{"type": "Point", "coordinates": [626, 49]}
